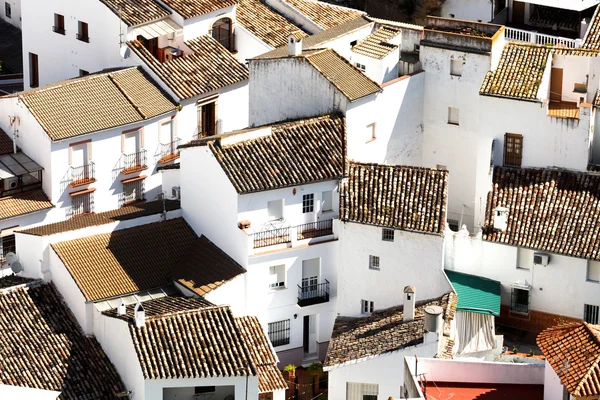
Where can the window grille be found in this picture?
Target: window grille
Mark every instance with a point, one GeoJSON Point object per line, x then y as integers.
{"type": "Point", "coordinates": [374, 262]}
{"type": "Point", "coordinates": [519, 300]}
{"type": "Point", "coordinates": [387, 235]}
{"type": "Point", "coordinates": [279, 333]}
{"type": "Point", "coordinates": [7, 10]}
{"type": "Point", "coordinates": [308, 203]}
{"type": "Point", "coordinates": [7, 245]}
{"type": "Point", "coordinates": [590, 314]}
{"type": "Point", "coordinates": [513, 150]}
{"type": "Point", "coordinates": [132, 191]}
{"type": "Point", "coordinates": [82, 204]}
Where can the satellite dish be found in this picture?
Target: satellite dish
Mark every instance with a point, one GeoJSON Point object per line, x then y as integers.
{"type": "Point", "coordinates": [11, 258]}
{"type": "Point", "coordinates": [16, 267]}
{"type": "Point", "coordinates": [125, 51]}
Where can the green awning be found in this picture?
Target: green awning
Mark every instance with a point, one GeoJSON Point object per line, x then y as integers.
{"type": "Point", "coordinates": [475, 294]}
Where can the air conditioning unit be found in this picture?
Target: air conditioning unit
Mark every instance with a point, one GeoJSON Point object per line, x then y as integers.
{"type": "Point", "coordinates": [11, 183]}
{"type": "Point", "coordinates": [176, 192]}
{"type": "Point", "coordinates": [541, 259]}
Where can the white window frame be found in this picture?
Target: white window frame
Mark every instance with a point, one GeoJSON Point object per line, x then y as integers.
{"type": "Point", "coordinates": [277, 283]}
{"type": "Point", "coordinates": [308, 203]}
{"type": "Point", "coordinates": [367, 307]}
{"type": "Point", "coordinates": [374, 263]}
{"type": "Point", "coordinates": [453, 116]}
{"type": "Point", "coordinates": [327, 197]}
{"type": "Point", "coordinates": [387, 234]}
{"type": "Point", "coordinates": [456, 67]}
{"type": "Point", "coordinates": [271, 216]}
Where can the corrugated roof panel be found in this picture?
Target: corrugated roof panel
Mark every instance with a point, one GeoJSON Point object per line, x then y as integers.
{"type": "Point", "coordinates": [475, 293]}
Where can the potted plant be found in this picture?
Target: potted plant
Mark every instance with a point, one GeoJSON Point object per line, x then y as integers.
{"type": "Point", "coordinates": [515, 350]}
{"type": "Point", "coordinates": [316, 370]}
{"type": "Point", "coordinates": [291, 370]}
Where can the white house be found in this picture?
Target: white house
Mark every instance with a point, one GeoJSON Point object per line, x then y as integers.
{"type": "Point", "coordinates": [12, 13]}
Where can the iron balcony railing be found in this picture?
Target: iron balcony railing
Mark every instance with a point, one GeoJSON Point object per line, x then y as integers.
{"type": "Point", "coordinates": [315, 229]}
{"type": "Point", "coordinates": [169, 149]}
{"type": "Point", "coordinates": [59, 29]}
{"type": "Point", "coordinates": [313, 294]}
{"type": "Point", "coordinates": [83, 174]}
{"type": "Point", "coordinates": [272, 237]}
{"type": "Point", "coordinates": [135, 161]}
{"type": "Point", "coordinates": [83, 204]}
{"type": "Point", "coordinates": [207, 131]}
{"type": "Point", "coordinates": [83, 38]}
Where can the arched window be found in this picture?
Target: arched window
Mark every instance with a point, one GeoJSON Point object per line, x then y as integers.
{"type": "Point", "coordinates": [221, 32]}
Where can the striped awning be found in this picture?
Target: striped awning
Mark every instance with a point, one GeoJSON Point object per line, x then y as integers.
{"type": "Point", "coordinates": [157, 29]}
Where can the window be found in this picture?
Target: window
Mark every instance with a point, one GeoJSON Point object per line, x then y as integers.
{"type": "Point", "coordinates": [387, 235]}
{"type": "Point", "coordinates": [513, 150]}
{"type": "Point", "coordinates": [453, 224]}
{"type": "Point", "coordinates": [279, 333]}
{"type": "Point", "coordinates": [327, 201]}
{"type": "Point", "coordinates": [362, 391]}
{"type": "Point", "coordinates": [34, 73]}
{"type": "Point", "coordinates": [416, 47]}
{"type": "Point", "coordinates": [590, 314]}
{"type": "Point", "coordinates": [453, 115]}
{"type": "Point", "coordinates": [369, 397]}
{"type": "Point", "coordinates": [353, 43]}
{"type": "Point", "coordinates": [360, 66]}
{"type": "Point", "coordinates": [374, 262]}
{"type": "Point", "coordinates": [208, 124]}
{"type": "Point", "coordinates": [372, 132]}
{"type": "Point", "coordinates": [366, 306]}
{"type": "Point", "coordinates": [204, 389]}
{"type": "Point", "coordinates": [59, 24]}
{"type": "Point", "coordinates": [7, 10]}
{"type": "Point", "coordinates": [524, 258]}
{"type": "Point", "coordinates": [277, 277]}
{"type": "Point", "coordinates": [222, 33]}
{"type": "Point", "coordinates": [593, 271]}
{"type": "Point", "coordinates": [83, 33]}
{"type": "Point", "coordinates": [456, 67]}
{"type": "Point", "coordinates": [82, 204]}
{"type": "Point", "coordinates": [133, 190]}
{"type": "Point", "coordinates": [308, 203]}
{"type": "Point", "coordinates": [7, 243]}
{"type": "Point", "coordinates": [83, 72]}
{"type": "Point", "coordinates": [275, 210]}
{"type": "Point", "coordinates": [519, 300]}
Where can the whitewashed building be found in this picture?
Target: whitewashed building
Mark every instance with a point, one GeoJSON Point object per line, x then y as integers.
{"type": "Point", "coordinates": [12, 13]}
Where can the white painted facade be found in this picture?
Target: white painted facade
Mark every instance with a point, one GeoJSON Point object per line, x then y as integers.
{"type": "Point", "coordinates": [553, 387]}
{"type": "Point", "coordinates": [11, 13]}
{"type": "Point", "coordinates": [468, 10]}
{"type": "Point", "coordinates": [25, 393]}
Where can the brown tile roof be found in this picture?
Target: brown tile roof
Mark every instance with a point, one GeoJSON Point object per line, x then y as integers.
{"type": "Point", "coordinates": [24, 203]}
{"type": "Point", "coordinates": [42, 347]}
{"type": "Point", "coordinates": [377, 44]}
{"type": "Point", "coordinates": [295, 153]}
{"type": "Point", "coordinates": [192, 344]}
{"type": "Point", "coordinates": [573, 351]}
{"type": "Point", "coordinates": [206, 267]}
{"type": "Point", "coordinates": [549, 210]}
{"type": "Point", "coordinates": [592, 36]}
{"type": "Point", "coordinates": [261, 354]}
{"type": "Point", "coordinates": [127, 260]}
{"type": "Point", "coordinates": [163, 306]}
{"type": "Point", "coordinates": [209, 68]}
{"type": "Point", "coordinates": [107, 217]}
{"type": "Point", "coordinates": [324, 14]}
{"type": "Point", "coordinates": [395, 196]}
{"type": "Point", "coordinates": [193, 8]}
{"type": "Point", "coordinates": [137, 12]}
{"type": "Point", "coordinates": [6, 143]}
{"type": "Point", "coordinates": [96, 102]}
{"type": "Point", "coordinates": [382, 332]}
{"type": "Point", "coordinates": [14, 280]}
{"type": "Point", "coordinates": [265, 23]}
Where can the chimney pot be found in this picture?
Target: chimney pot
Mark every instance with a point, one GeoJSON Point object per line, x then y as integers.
{"type": "Point", "coordinates": [294, 45]}
{"type": "Point", "coordinates": [121, 309]}
{"type": "Point", "coordinates": [139, 315]}
{"type": "Point", "coordinates": [408, 313]}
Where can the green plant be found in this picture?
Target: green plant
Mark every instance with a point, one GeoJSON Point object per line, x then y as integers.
{"type": "Point", "coordinates": [531, 353]}
{"type": "Point", "coordinates": [315, 369]}
{"type": "Point", "coordinates": [515, 350]}
{"type": "Point", "coordinates": [290, 368]}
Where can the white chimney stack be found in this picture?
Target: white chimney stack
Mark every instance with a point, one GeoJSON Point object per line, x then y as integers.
{"type": "Point", "coordinates": [408, 313]}
{"type": "Point", "coordinates": [121, 309]}
{"type": "Point", "coordinates": [295, 44]}
{"type": "Point", "coordinates": [500, 218]}
{"type": "Point", "coordinates": [139, 315]}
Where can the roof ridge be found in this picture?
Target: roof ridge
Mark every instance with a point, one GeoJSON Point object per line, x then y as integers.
{"type": "Point", "coordinates": [129, 99]}
{"type": "Point", "coordinates": [394, 166]}
{"type": "Point", "coordinates": [189, 311]}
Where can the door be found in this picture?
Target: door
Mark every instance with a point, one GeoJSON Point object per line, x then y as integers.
{"type": "Point", "coordinates": [310, 277]}
{"type": "Point", "coordinates": [310, 334]}
{"type": "Point", "coordinates": [518, 13]}
{"type": "Point", "coordinates": [79, 162]}
{"type": "Point", "coordinates": [208, 120]}
{"type": "Point", "coordinates": [131, 149]}
{"type": "Point", "coordinates": [166, 138]}
{"type": "Point", "coordinates": [556, 83]}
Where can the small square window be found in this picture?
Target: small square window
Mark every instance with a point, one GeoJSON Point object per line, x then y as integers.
{"type": "Point", "coordinates": [360, 66]}
{"type": "Point", "coordinates": [277, 277]}
{"type": "Point", "coordinates": [590, 314]}
{"type": "Point", "coordinates": [453, 115]}
{"type": "Point", "coordinates": [275, 210]}
{"type": "Point", "coordinates": [456, 67]}
{"type": "Point", "coordinates": [59, 24]}
{"type": "Point", "coordinates": [366, 307]}
{"type": "Point", "coordinates": [327, 201]}
{"type": "Point", "coordinates": [416, 47]}
{"type": "Point", "coordinates": [593, 271]}
{"type": "Point", "coordinates": [83, 72]}
{"type": "Point", "coordinates": [374, 262]}
{"type": "Point", "coordinates": [308, 203]}
{"type": "Point", "coordinates": [387, 235]}
{"type": "Point", "coordinates": [7, 10]}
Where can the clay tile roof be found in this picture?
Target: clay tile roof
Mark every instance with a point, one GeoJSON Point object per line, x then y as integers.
{"type": "Point", "coordinates": [377, 44]}
{"type": "Point", "coordinates": [193, 8]}
{"type": "Point", "coordinates": [14, 280]}
{"type": "Point", "coordinates": [208, 68]}
{"type": "Point", "coordinates": [24, 203]}
{"type": "Point", "coordinates": [6, 143]}
{"type": "Point", "coordinates": [295, 153]}
{"type": "Point", "coordinates": [382, 332]}
{"type": "Point", "coordinates": [395, 196]}
{"type": "Point", "coordinates": [206, 267]}
{"type": "Point", "coordinates": [519, 73]}
{"type": "Point", "coordinates": [137, 12]}
{"type": "Point", "coordinates": [261, 354]}
{"type": "Point", "coordinates": [107, 217]}
{"type": "Point", "coordinates": [265, 23]}
{"type": "Point", "coordinates": [195, 344]}
{"type": "Point", "coordinates": [573, 351]}
{"type": "Point", "coordinates": [128, 260]}
{"type": "Point", "coordinates": [324, 14]}
{"type": "Point", "coordinates": [42, 347]}
{"type": "Point", "coordinates": [592, 36]}
{"type": "Point", "coordinates": [548, 210]}
{"type": "Point", "coordinates": [162, 306]}
{"type": "Point", "coordinates": [96, 102]}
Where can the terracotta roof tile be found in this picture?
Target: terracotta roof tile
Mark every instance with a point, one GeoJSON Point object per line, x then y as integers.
{"type": "Point", "coordinates": [573, 351]}
{"type": "Point", "coordinates": [261, 354]}
{"type": "Point", "coordinates": [193, 8]}
{"type": "Point", "coordinates": [163, 306]}
{"type": "Point", "coordinates": [395, 196]}
{"type": "Point", "coordinates": [24, 203]}
{"type": "Point", "coordinates": [592, 36]}
{"type": "Point", "coordinates": [324, 14]}
{"type": "Point", "coordinates": [377, 44]}
{"type": "Point", "coordinates": [208, 68]}
{"type": "Point", "coordinates": [206, 267]}
{"type": "Point", "coordinates": [265, 23]}
{"type": "Point", "coordinates": [14, 280]}
{"type": "Point", "coordinates": [549, 210]}
{"type": "Point", "coordinates": [137, 12]}
{"type": "Point", "coordinates": [107, 217]}
{"type": "Point", "coordinates": [42, 347]}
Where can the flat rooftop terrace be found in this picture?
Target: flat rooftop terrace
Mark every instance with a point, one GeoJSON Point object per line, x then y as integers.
{"type": "Point", "coordinates": [481, 391]}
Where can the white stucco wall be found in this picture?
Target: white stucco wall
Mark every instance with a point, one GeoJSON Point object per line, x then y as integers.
{"type": "Point", "coordinates": [202, 24]}
{"type": "Point", "coordinates": [25, 393]}
{"type": "Point", "coordinates": [15, 13]}
{"type": "Point", "coordinates": [248, 45]}
{"type": "Point", "coordinates": [154, 387]}
{"type": "Point", "coordinates": [470, 10]}
{"type": "Point", "coordinates": [553, 387]}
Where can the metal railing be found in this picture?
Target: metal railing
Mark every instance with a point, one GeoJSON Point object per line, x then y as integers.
{"type": "Point", "coordinates": [83, 38]}
{"type": "Point", "coordinates": [59, 29]}
{"type": "Point", "coordinates": [315, 229]}
{"type": "Point", "coordinates": [132, 192]}
{"type": "Point", "coordinates": [207, 131]}
{"type": "Point", "coordinates": [169, 149]}
{"type": "Point", "coordinates": [134, 160]}
{"type": "Point", "coordinates": [313, 294]}
{"type": "Point", "coordinates": [82, 174]}
{"type": "Point", "coordinates": [272, 237]}
{"type": "Point", "coordinates": [521, 35]}
{"type": "Point", "coordinates": [83, 204]}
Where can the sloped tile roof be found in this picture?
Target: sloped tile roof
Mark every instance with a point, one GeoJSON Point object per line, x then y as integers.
{"type": "Point", "coordinates": [195, 344]}
{"type": "Point", "coordinates": [107, 217]}
{"type": "Point", "coordinates": [14, 280]}
{"type": "Point", "coordinates": [6, 143]}
{"type": "Point", "coordinates": [127, 260]}
{"type": "Point", "coordinates": [137, 12]}
{"type": "Point", "coordinates": [163, 306]}
{"type": "Point", "coordinates": [573, 351]}
{"type": "Point", "coordinates": [295, 153]}
{"type": "Point", "coordinates": [265, 23]}
{"type": "Point", "coordinates": [377, 44]}
{"type": "Point", "coordinates": [24, 203]}
{"type": "Point", "coordinates": [206, 267]}
{"type": "Point", "coordinates": [193, 8]}
{"type": "Point", "coordinates": [592, 36]}
{"type": "Point", "coordinates": [395, 196]}
{"type": "Point", "coordinates": [42, 347]}
{"type": "Point", "coordinates": [324, 14]}
{"type": "Point", "coordinates": [548, 210]}
{"type": "Point", "coordinates": [96, 102]}
{"type": "Point", "coordinates": [261, 354]}
{"type": "Point", "coordinates": [382, 332]}
{"type": "Point", "coordinates": [209, 68]}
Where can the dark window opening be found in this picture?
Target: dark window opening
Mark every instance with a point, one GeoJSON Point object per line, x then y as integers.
{"type": "Point", "coordinates": [207, 120]}
{"type": "Point", "coordinates": [83, 33]}
{"type": "Point", "coordinates": [204, 389]}
{"type": "Point", "coordinates": [222, 33]}
{"type": "Point", "coordinates": [59, 24]}
{"type": "Point", "coordinates": [279, 333]}
{"type": "Point", "coordinates": [34, 72]}
{"type": "Point", "coordinates": [7, 245]}
{"type": "Point", "coordinates": [7, 10]}
{"type": "Point", "coordinates": [519, 300]}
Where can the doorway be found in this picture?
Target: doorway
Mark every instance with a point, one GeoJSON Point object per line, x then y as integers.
{"type": "Point", "coordinates": [556, 84]}
{"type": "Point", "coordinates": [310, 334]}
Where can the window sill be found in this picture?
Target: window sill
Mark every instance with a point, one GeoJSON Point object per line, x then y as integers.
{"type": "Point", "coordinates": [524, 269]}
{"type": "Point", "coordinates": [453, 123]}
{"type": "Point", "coordinates": [519, 312]}
{"type": "Point", "coordinates": [592, 281]}
{"type": "Point", "coordinates": [277, 289]}
{"type": "Point", "coordinates": [326, 211]}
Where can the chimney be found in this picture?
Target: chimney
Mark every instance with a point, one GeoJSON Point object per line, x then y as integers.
{"type": "Point", "coordinates": [408, 313]}
{"type": "Point", "coordinates": [294, 44]}
{"type": "Point", "coordinates": [500, 218]}
{"type": "Point", "coordinates": [139, 315]}
{"type": "Point", "coordinates": [121, 309]}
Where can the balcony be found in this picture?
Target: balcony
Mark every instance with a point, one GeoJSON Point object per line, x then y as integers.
{"type": "Point", "coordinates": [208, 130]}
{"type": "Point", "coordinates": [83, 175]}
{"type": "Point", "coordinates": [168, 152]}
{"type": "Point", "coordinates": [59, 29]}
{"type": "Point", "coordinates": [314, 229]}
{"type": "Point", "coordinates": [521, 35]}
{"type": "Point", "coordinates": [272, 237]}
{"type": "Point", "coordinates": [309, 295]}
{"type": "Point", "coordinates": [83, 37]}
{"type": "Point", "coordinates": [283, 237]}
{"type": "Point", "coordinates": [134, 162]}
